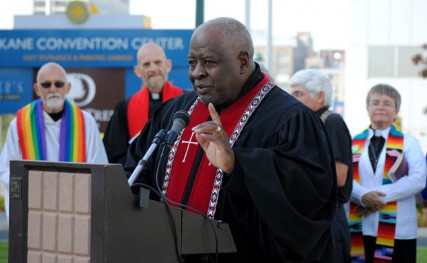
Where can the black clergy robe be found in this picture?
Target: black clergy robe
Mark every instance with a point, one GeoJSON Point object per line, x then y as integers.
{"type": "Point", "coordinates": [281, 196]}
{"type": "Point", "coordinates": [116, 137]}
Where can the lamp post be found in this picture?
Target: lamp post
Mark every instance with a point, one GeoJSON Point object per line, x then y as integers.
{"type": "Point", "coordinates": [200, 14]}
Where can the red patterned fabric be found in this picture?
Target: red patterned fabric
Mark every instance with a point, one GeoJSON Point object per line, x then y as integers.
{"type": "Point", "coordinates": [139, 105]}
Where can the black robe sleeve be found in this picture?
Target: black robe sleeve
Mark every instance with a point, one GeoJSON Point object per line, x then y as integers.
{"type": "Point", "coordinates": [284, 195]}
{"type": "Point", "coordinates": [116, 136]}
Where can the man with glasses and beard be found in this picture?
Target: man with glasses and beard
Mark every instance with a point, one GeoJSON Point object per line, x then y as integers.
{"type": "Point", "coordinates": [51, 128]}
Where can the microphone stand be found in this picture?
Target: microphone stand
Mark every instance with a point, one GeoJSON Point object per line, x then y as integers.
{"type": "Point", "coordinates": [157, 139]}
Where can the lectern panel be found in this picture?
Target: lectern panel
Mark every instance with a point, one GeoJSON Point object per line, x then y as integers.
{"type": "Point", "coordinates": [86, 213]}
{"type": "Point", "coordinates": [59, 218]}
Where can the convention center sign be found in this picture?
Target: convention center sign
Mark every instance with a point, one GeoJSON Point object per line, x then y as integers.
{"type": "Point", "coordinates": [99, 64]}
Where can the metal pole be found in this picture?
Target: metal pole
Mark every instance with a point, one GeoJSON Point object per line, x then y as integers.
{"type": "Point", "coordinates": [200, 12]}
{"type": "Point", "coordinates": [269, 59]}
{"type": "Point", "coordinates": [248, 15]}
{"type": "Point", "coordinates": [48, 7]}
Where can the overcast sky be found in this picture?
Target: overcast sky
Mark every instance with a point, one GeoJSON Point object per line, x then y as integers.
{"type": "Point", "coordinates": [325, 19]}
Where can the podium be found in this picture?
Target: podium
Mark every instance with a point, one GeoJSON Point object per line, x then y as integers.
{"type": "Point", "coordinates": [81, 213]}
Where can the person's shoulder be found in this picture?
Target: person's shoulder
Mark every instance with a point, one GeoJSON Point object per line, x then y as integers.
{"type": "Point", "coordinates": [186, 96]}
{"type": "Point", "coordinates": [179, 89]}
{"type": "Point", "coordinates": [178, 103]}
{"type": "Point", "coordinates": [410, 138]}
{"type": "Point", "coordinates": [26, 106]}
{"type": "Point", "coordinates": [336, 121]}
{"type": "Point", "coordinates": [13, 123]}
{"type": "Point", "coordinates": [87, 116]}
{"type": "Point", "coordinates": [412, 145]}
{"type": "Point", "coordinates": [290, 104]}
{"type": "Point", "coordinates": [121, 106]}
{"type": "Point", "coordinates": [286, 99]}
{"type": "Point", "coordinates": [334, 115]}
{"type": "Point", "coordinates": [334, 118]}
{"type": "Point", "coordinates": [165, 111]}
{"type": "Point", "coordinates": [123, 102]}
{"type": "Point", "coordinates": [281, 104]}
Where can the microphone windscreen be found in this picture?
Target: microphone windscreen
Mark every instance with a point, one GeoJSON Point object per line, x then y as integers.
{"type": "Point", "coordinates": [180, 120]}
{"type": "Point", "coordinates": [182, 115]}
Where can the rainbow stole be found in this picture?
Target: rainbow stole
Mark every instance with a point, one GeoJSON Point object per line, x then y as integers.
{"type": "Point", "coordinates": [32, 137]}
{"type": "Point", "coordinates": [387, 215]}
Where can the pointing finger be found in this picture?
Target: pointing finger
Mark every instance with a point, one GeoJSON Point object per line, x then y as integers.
{"type": "Point", "coordinates": [214, 115]}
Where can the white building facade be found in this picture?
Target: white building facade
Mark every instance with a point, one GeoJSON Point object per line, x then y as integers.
{"type": "Point", "coordinates": [383, 37]}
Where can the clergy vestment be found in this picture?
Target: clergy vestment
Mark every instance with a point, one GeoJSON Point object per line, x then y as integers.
{"type": "Point", "coordinates": [280, 198]}
{"type": "Point", "coordinates": [94, 149]}
{"type": "Point", "coordinates": [402, 192]}
{"type": "Point", "coordinates": [129, 117]}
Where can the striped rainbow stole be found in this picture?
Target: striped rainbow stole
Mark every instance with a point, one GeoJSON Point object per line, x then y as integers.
{"type": "Point", "coordinates": [387, 216]}
{"type": "Point", "coordinates": [32, 137]}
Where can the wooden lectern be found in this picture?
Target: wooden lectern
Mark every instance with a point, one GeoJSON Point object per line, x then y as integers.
{"type": "Point", "coordinates": [81, 213]}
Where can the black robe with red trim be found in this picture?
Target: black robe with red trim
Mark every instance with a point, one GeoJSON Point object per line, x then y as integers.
{"type": "Point", "coordinates": [281, 196]}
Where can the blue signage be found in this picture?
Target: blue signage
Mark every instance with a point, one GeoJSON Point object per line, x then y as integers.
{"type": "Point", "coordinates": [94, 53]}
{"type": "Point", "coordinates": [16, 87]}
{"type": "Point", "coordinates": [88, 48]}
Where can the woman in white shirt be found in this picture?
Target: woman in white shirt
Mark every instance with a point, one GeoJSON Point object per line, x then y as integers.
{"type": "Point", "coordinates": [383, 220]}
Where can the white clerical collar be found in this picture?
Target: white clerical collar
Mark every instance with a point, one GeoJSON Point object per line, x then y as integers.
{"type": "Point", "coordinates": [379, 133]}
{"type": "Point", "coordinates": [155, 96]}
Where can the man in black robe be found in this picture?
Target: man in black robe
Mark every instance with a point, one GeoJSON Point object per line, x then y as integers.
{"type": "Point", "coordinates": [131, 114]}
{"type": "Point", "coordinates": [251, 156]}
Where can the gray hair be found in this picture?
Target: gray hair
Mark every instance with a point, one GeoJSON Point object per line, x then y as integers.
{"type": "Point", "coordinates": [314, 81]}
{"type": "Point", "coordinates": [384, 89]}
{"type": "Point", "coordinates": [235, 34]}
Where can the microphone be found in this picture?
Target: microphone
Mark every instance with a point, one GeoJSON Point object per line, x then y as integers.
{"type": "Point", "coordinates": [180, 120]}
{"type": "Point", "coordinates": [159, 137]}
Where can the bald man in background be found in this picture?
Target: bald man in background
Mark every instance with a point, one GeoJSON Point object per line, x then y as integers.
{"type": "Point", "coordinates": [130, 115]}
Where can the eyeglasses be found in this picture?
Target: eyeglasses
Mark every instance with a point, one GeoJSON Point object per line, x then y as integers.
{"type": "Point", "coordinates": [58, 84]}
{"type": "Point", "coordinates": [386, 104]}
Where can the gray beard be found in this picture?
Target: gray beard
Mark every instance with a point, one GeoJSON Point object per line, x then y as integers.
{"type": "Point", "coordinates": [54, 102]}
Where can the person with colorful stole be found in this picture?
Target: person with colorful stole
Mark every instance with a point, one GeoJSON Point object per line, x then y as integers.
{"type": "Point", "coordinates": [131, 114]}
{"type": "Point", "coordinates": [389, 170]}
{"type": "Point", "coordinates": [51, 128]}
{"type": "Point", "coordinates": [314, 88]}
{"type": "Point", "coordinates": [251, 156]}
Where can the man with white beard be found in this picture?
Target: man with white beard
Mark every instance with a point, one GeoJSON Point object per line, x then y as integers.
{"type": "Point", "coordinates": [51, 128]}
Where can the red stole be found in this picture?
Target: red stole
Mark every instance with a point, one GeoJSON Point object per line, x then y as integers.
{"type": "Point", "coordinates": [138, 108]}
{"type": "Point", "coordinates": [206, 184]}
